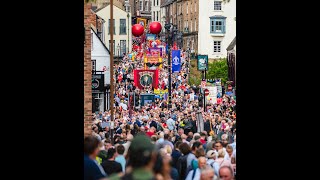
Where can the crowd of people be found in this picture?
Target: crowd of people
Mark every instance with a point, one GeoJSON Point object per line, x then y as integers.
{"type": "Point", "coordinates": [162, 140]}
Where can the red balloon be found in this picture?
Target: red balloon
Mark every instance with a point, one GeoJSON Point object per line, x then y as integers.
{"type": "Point", "coordinates": [155, 27]}
{"type": "Point", "coordinates": [137, 30]}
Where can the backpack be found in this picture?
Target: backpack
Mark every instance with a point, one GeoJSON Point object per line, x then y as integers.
{"type": "Point", "coordinates": [182, 166]}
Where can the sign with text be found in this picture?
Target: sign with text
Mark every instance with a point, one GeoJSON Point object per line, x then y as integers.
{"type": "Point", "coordinates": [151, 37]}
{"type": "Point", "coordinates": [153, 59]}
{"type": "Point", "coordinates": [155, 51]}
{"type": "Point", "coordinates": [202, 62]}
{"type": "Point", "coordinates": [176, 61]}
{"type": "Point", "coordinates": [97, 82]}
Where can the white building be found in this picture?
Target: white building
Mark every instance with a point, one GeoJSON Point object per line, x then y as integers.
{"type": "Point", "coordinates": [100, 58]}
{"type": "Point", "coordinates": [217, 26]}
{"type": "Point", "coordinates": [155, 10]}
{"type": "Point", "coordinates": [122, 37]}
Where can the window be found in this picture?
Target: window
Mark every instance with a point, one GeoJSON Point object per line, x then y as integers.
{"type": "Point", "coordinates": [217, 25]}
{"type": "Point", "coordinates": [123, 26]}
{"type": "Point", "coordinates": [154, 2]}
{"type": "Point", "coordinates": [217, 5]}
{"type": "Point", "coordinates": [141, 5]}
{"type": "Point", "coordinates": [114, 27]}
{"type": "Point", "coordinates": [191, 22]}
{"type": "Point", "coordinates": [157, 15]}
{"type": "Point", "coordinates": [157, 2]}
{"type": "Point", "coordinates": [216, 46]}
{"type": "Point", "coordinates": [113, 46]}
{"type": "Point", "coordinates": [122, 47]}
{"type": "Point", "coordinates": [91, 41]}
{"type": "Point", "coordinates": [94, 65]}
{"type": "Point", "coordinates": [154, 15]}
{"type": "Point", "coordinates": [195, 7]}
{"type": "Point", "coordinates": [187, 8]}
{"type": "Point", "coordinates": [195, 24]}
{"type": "Point", "coordinates": [147, 6]}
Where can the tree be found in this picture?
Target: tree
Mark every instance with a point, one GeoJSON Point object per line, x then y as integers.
{"type": "Point", "coordinates": [218, 69]}
{"type": "Point", "coordinates": [89, 1]}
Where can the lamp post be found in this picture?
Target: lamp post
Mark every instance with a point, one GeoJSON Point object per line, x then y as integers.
{"type": "Point", "coordinates": [127, 5]}
{"type": "Point", "coordinates": [118, 47]}
{"type": "Point", "coordinates": [169, 38]}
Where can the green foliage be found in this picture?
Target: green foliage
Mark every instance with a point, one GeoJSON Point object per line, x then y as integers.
{"type": "Point", "coordinates": [218, 69]}
{"type": "Point", "coordinates": [195, 75]}
{"type": "Point", "coordinates": [89, 1]}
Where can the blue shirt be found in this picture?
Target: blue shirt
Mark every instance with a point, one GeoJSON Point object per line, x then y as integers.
{"type": "Point", "coordinates": [120, 159]}
{"type": "Point", "coordinates": [92, 171]}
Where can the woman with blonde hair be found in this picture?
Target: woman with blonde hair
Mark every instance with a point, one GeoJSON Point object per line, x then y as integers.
{"type": "Point", "coordinates": [221, 161]}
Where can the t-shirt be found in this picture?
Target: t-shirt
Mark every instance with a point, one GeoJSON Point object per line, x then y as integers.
{"type": "Point", "coordinates": [111, 167]}
{"type": "Point", "coordinates": [92, 171]}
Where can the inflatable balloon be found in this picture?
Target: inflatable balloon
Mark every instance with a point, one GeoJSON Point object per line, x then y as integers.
{"type": "Point", "coordinates": [155, 27]}
{"type": "Point", "coordinates": [137, 30]}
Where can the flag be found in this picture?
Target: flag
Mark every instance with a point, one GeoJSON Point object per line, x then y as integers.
{"type": "Point", "coordinates": [176, 61]}
{"type": "Point", "coordinates": [146, 78]}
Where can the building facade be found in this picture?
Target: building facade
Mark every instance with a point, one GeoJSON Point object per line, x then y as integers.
{"type": "Point", "coordinates": [87, 71]}
{"type": "Point", "coordinates": [218, 27]}
{"type": "Point", "coordinates": [140, 9]}
{"type": "Point", "coordinates": [155, 10]}
{"type": "Point", "coordinates": [190, 24]}
{"type": "Point", "coordinates": [122, 36]}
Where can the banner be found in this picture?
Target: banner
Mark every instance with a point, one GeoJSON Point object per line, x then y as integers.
{"type": "Point", "coordinates": [97, 83]}
{"type": "Point", "coordinates": [153, 59]}
{"type": "Point", "coordinates": [160, 92]}
{"type": "Point", "coordinates": [212, 97]}
{"type": "Point", "coordinates": [155, 51]}
{"type": "Point", "coordinates": [176, 61]}
{"type": "Point", "coordinates": [151, 37]}
{"type": "Point", "coordinates": [146, 78]}
{"type": "Point", "coordinates": [202, 62]}
{"type": "Point", "coordinates": [142, 21]}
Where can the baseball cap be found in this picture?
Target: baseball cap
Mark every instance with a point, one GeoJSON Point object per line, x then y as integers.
{"type": "Point", "coordinates": [141, 144]}
{"type": "Point", "coordinates": [210, 154]}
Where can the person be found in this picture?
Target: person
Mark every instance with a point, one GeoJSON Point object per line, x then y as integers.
{"type": "Point", "coordinates": [211, 157]}
{"type": "Point", "coordinates": [120, 158]}
{"type": "Point", "coordinates": [182, 161]}
{"type": "Point", "coordinates": [110, 166]}
{"type": "Point", "coordinates": [196, 145]}
{"type": "Point", "coordinates": [195, 173]}
{"type": "Point", "coordinates": [127, 144]}
{"type": "Point", "coordinates": [92, 170]}
{"type": "Point", "coordinates": [142, 158]}
{"type": "Point", "coordinates": [176, 154]}
{"type": "Point", "coordinates": [225, 173]}
{"type": "Point", "coordinates": [223, 162]}
{"type": "Point", "coordinates": [208, 174]}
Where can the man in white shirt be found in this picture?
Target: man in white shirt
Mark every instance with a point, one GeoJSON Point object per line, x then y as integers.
{"type": "Point", "coordinates": [195, 174]}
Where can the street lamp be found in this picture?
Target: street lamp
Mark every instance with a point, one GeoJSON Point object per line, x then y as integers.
{"type": "Point", "coordinates": [118, 47]}
{"type": "Point", "coordinates": [127, 5]}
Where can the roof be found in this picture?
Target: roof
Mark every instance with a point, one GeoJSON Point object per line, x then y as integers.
{"type": "Point", "coordinates": [232, 44]}
{"type": "Point", "coordinates": [167, 2]}
{"type": "Point", "coordinates": [100, 40]}
{"type": "Point", "coordinates": [106, 6]}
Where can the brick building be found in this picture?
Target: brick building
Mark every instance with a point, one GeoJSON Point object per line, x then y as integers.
{"type": "Point", "coordinates": [189, 22]}
{"type": "Point", "coordinates": [87, 71]}
{"type": "Point", "coordinates": [140, 8]}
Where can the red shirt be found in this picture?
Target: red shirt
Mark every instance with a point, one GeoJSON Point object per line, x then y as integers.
{"type": "Point", "coordinates": [149, 133]}
{"type": "Point", "coordinates": [202, 141]}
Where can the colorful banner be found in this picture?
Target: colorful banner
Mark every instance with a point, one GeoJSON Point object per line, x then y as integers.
{"type": "Point", "coordinates": [146, 78]}
{"type": "Point", "coordinates": [153, 59]}
{"type": "Point", "coordinates": [202, 62]}
{"type": "Point", "coordinates": [160, 92]}
{"type": "Point", "coordinates": [176, 61]}
{"type": "Point", "coordinates": [151, 37]}
{"type": "Point", "coordinates": [142, 21]}
{"type": "Point", "coordinates": [155, 51]}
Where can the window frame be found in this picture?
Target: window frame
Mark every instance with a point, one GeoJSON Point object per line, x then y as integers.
{"type": "Point", "coordinates": [213, 25]}
{"type": "Point", "coordinates": [114, 26]}
{"type": "Point", "coordinates": [216, 5]}
{"type": "Point", "coordinates": [94, 64]}
{"type": "Point", "coordinates": [216, 46]}
{"type": "Point", "coordinates": [123, 42]}
{"type": "Point", "coordinates": [123, 27]}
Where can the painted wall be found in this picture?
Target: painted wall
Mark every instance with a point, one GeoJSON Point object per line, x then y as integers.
{"type": "Point", "coordinates": [102, 57]}
{"type": "Point", "coordinates": [117, 15]}
{"type": "Point", "coordinates": [205, 44]}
